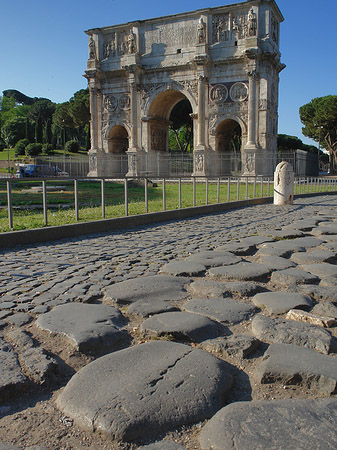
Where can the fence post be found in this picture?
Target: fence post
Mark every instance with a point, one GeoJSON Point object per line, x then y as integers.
{"type": "Point", "coordinates": [194, 193]}
{"type": "Point", "coordinates": [126, 196]}
{"type": "Point", "coordinates": [218, 191]}
{"type": "Point", "coordinates": [103, 197]}
{"type": "Point", "coordinates": [254, 190]}
{"type": "Point", "coordinates": [247, 187]}
{"type": "Point", "coordinates": [228, 189]}
{"type": "Point", "coordinates": [238, 189]}
{"type": "Point", "coordinates": [10, 205]}
{"type": "Point", "coordinates": [179, 193]}
{"type": "Point", "coordinates": [261, 187]}
{"type": "Point", "coordinates": [164, 194]}
{"type": "Point", "coordinates": [146, 196]}
{"type": "Point", "coordinates": [206, 190]}
{"type": "Point", "coordinates": [44, 201]}
{"type": "Point", "coordinates": [268, 193]}
{"type": "Point", "coordinates": [76, 199]}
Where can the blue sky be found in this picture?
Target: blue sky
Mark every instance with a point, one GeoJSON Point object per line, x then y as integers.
{"type": "Point", "coordinates": [44, 48]}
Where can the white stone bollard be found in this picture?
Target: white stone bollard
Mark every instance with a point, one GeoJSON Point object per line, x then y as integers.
{"type": "Point", "coordinates": [283, 184]}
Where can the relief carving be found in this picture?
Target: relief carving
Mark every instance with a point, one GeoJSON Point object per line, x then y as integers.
{"type": "Point", "coordinates": [124, 102]}
{"type": "Point", "coordinates": [218, 93]}
{"type": "Point", "coordinates": [110, 102]}
{"type": "Point", "coordinates": [109, 49]}
{"type": "Point", "coordinates": [158, 139]}
{"type": "Point", "coordinates": [220, 28]}
{"type": "Point", "coordinates": [148, 91]}
{"type": "Point", "coordinates": [238, 92]}
{"type": "Point", "coordinates": [199, 163]}
{"type": "Point", "coordinates": [245, 24]}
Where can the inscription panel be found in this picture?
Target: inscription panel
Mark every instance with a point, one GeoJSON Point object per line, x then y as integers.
{"type": "Point", "coordinates": [181, 34]}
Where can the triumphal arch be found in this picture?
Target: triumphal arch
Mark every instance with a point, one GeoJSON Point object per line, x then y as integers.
{"type": "Point", "coordinates": [220, 65]}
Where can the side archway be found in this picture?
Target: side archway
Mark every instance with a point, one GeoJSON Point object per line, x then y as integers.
{"type": "Point", "coordinates": [228, 146]}
{"type": "Point", "coordinates": [118, 140]}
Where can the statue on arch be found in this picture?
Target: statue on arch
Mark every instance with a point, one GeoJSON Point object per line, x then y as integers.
{"type": "Point", "coordinates": [201, 32]}
{"type": "Point", "coordinates": [252, 24]}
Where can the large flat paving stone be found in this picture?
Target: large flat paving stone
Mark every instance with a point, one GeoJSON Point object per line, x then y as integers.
{"type": "Point", "coordinates": [276, 262]}
{"type": "Point", "coordinates": [209, 288]}
{"type": "Point", "coordinates": [322, 270]}
{"type": "Point", "coordinates": [290, 332]}
{"type": "Point", "coordinates": [293, 276]}
{"type": "Point", "coordinates": [155, 287]}
{"type": "Point", "coordinates": [214, 258]}
{"type": "Point", "coordinates": [228, 312]}
{"type": "Point", "coordinates": [181, 325]}
{"type": "Point", "coordinates": [316, 256]}
{"type": "Point", "coordinates": [294, 365]}
{"type": "Point", "coordinates": [86, 327]}
{"type": "Point", "coordinates": [325, 228]}
{"type": "Point", "coordinates": [238, 344]}
{"type": "Point", "coordinates": [147, 308]}
{"type": "Point", "coordinates": [183, 268]}
{"type": "Point", "coordinates": [281, 302]}
{"type": "Point", "coordinates": [145, 390]}
{"type": "Point", "coordinates": [243, 271]}
{"type": "Point", "coordinates": [292, 424]}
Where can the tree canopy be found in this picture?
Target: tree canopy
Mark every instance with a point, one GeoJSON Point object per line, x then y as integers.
{"type": "Point", "coordinates": [42, 121]}
{"type": "Point", "coordinates": [319, 118]}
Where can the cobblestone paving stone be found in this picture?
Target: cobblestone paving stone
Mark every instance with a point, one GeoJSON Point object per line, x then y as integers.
{"type": "Point", "coordinates": [38, 365]}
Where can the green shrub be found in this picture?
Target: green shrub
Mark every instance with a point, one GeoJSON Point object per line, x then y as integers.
{"type": "Point", "coordinates": [48, 149]}
{"type": "Point", "coordinates": [20, 147]}
{"type": "Point", "coordinates": [33, 149]}
{"type": "Point", "coordinates": [72, 146]}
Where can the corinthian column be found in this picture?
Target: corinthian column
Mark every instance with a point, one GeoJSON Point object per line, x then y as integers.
{"type": "Point", "coordinates": [93, 120]}
{"type": "Point", "coordinates": [252, 110]}
{"type": "Point", "coordinates": [201, 112]}
{"type": "Point", "coordinates": [133, 137]}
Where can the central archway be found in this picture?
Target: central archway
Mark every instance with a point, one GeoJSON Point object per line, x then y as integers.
{"type": "Point", "coordinates": [170, 132]}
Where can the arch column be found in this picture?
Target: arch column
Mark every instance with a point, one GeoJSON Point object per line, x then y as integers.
{"type": "Point", "coordinates": [133, 152]}
{"type": "Point", "coordinates": [250, 149]}
{"type": "Point", "coordinates": [200, 163]}
{"type": "Point", "coordinates": [93, 152]}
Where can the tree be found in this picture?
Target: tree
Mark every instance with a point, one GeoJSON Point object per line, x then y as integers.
{"type": "Point", "coordinates": [41, 113]}
{"type": "Point", "coordinates": [319, 118]}
{"type": "Point", "coordinates": [79, 110]}
{"type": "Point", "coordinates": [14, 130]}
{"type": "Point", "coordinates": [181, 129]}
{"type": "Point", "coordinates": [288, 143]}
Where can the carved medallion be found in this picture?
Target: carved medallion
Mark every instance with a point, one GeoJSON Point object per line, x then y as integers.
{"type": "Point", "coordinates": [110, 102]}
{"type": "Point", "coordinates": [124, 102]}
{"type": "Point", "coordinates": [238, 92]}
{"type": "Point", "coordinates": [218, 93]}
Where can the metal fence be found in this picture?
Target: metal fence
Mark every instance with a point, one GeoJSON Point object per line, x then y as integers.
{"type": "Point", "coordinates": [232, 189]}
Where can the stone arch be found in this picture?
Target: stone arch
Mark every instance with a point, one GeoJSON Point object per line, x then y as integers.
{"type": "Point", "coordinates": [159, 112]}
{"type": "Point", "coordinates": [167, 93]}
{"type": "Point", "coordinates": [223, 135]}
{"type": "Point", "coordinates": [118, 139]}
{"type": "Point", "coordinates": [228, 130]}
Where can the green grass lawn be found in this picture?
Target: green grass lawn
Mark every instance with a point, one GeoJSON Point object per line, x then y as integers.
{"type": "Point", "coordinates": [61, 202]}
{"type": "Point", "coordinates": [27, 203]}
